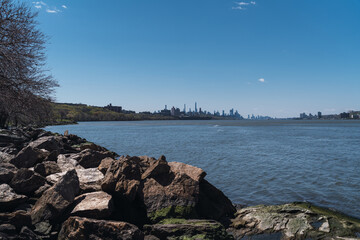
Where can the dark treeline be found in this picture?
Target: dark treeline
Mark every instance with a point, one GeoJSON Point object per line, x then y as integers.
{"type": "Point", "coordinates": [63, 113]}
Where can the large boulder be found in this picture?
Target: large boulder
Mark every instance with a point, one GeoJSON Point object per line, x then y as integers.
{"type": "Point", "coordinates": [90, 179]}
{"type": "Point", "coordinates": [49, 143]}
{"type": "Point", "coordinates": [89, 158]}
{"type": "Point", "coordinates": [98, 205]}
{"type": "Point", "coordinates": [293, 221]}
{"type": "Point", "coordinates": [26, 181]}
{"type": "Point", "coordinates": [37, 151]}
{"type": "Point", "coordinates": [187, 229]}
{"type": "Point", "coordinates": [170, 196]}
{"type": "Point", "coordinates": [84, 228]}
{"type": "Point", "coordinates": [213, 204]}
{"type": "Point", "coordinates": [164, 190]}
{"type": "Point", "coordinates": [195, 173]}
{"type": "Point", "coordinates": [29, 156]}
{"type": "Point", "coordinates": [53, 202]}
{"type": "Point", "coordinates": [7, 172]}
{"type": "Point", "coordinates": [105, 164]}
{"type": "Point", "coordinates": [9, 199]}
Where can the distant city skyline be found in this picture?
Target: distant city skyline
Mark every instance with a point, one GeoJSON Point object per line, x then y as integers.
{"type": "Point", "coordinates": [278, 58]}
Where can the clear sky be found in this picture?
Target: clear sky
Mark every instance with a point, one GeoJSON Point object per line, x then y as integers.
{"type": "Point", "coordinates": [268, 57]}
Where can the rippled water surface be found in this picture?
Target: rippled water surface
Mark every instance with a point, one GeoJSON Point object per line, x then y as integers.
{"type": "Point", "coordinates": [252, 162]}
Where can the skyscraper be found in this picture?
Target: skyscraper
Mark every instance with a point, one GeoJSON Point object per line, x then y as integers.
{"type": "Point", "coordinates": [196, 108]}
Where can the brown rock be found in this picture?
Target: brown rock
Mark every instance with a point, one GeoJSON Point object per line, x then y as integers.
{"type": "Point", "coordinates": [96, 205]}
{"type": "Point", "coordinates": [9, 199]}
{"type": "Point", "coordinates": [194, 172]}
{"type": "Point", "coordinates": [213, 204]}
{"type": "Point", "coordinates": [157, 168]}
{"type": "Point", "coordinates": [105, 164]}
{"type": "Point", "coordinates": [46, 168]}
{"type": "Point", "coordinates": [84, 228]}
{"type": "Point", "coordinates": [29, 156]}
{"type": "Point", "coordinates": [49, 143]}
{"type": "Point", "coordinates": [26, 181]}
{"type": "Point", "coordinates": [179, 192]}
{"type": "Point", "coordinates": [123, 169]}
{"type": "Point", "coordinates": [56, 199]}
{"type": "Point", "coordinates": [89, 158]}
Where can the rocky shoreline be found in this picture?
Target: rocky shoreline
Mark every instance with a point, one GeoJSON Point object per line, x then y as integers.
{"type": "Point", "coordinates": [63, 187]}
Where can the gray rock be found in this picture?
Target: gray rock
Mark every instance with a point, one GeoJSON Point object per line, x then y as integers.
{"type": "Point", "coordinates": [294, 221]}
{"type": "Point", "coordinates": [9, 199]}
{"type": "Point", "coordinates": [56, 199]}
{"type": "Point", "coordinates": [90, 179]}
{"type": "Point", "coordinates": [97, 205]}
{"type": "Point", "coordinates": [68, 162]}
{"type": "Point", "coordinates": [5, 157]}
{"type": "Point", "coordinates": [43, 228]}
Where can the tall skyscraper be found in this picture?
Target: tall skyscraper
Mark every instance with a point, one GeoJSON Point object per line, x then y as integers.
{"type": "Point", "coordinates": [184, 108]}
{"type": "Point", "coordinates": [196, 107]}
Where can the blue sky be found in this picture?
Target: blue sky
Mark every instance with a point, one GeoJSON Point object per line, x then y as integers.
{"type": "Point", "coordinates": [268, 57]}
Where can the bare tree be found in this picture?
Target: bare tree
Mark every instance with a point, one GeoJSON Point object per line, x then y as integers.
{"type": "Point", "coordinates": [25, 87]}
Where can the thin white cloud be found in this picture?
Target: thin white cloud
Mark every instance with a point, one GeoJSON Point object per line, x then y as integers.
{"type": "Point", "coordinates": [238, 8]}
{"type": "Point", "coordinates": [242, 5]}
{"type": "Point", "coordinates": [49, 9]}
{"type": "Point", "coordinates": [262, 80]}
{"type": "Point", "coordinates": [40, 3]}
{"type": "Point", "coordinates": [52, 10]}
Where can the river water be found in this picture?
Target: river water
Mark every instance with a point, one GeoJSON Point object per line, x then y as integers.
{"type": "Point", "coordinates": [252, 162]}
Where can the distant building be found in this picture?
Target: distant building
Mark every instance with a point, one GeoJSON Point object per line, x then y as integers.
{"type": "Point", "coordinates": [354, 114]}
{"type": "Point", "coordinates": [319, 115]}
{"type": "Point", "coordinates": [175, 111]}
{"type": "Point", "coordinates": [303, 115]}
{"type": "Point", "coordinates": [114, 108]}
{"type": "Point", "coordinates": [165, 112]}
{"type": "Point", "coordinates": [344, 115]}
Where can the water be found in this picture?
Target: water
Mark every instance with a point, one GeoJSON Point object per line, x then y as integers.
{"type": "Point", "coordinates": [252, 162]}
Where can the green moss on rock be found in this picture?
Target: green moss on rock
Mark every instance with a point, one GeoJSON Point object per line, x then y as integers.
{"type": "Point", "coordinates": [172, 212]}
